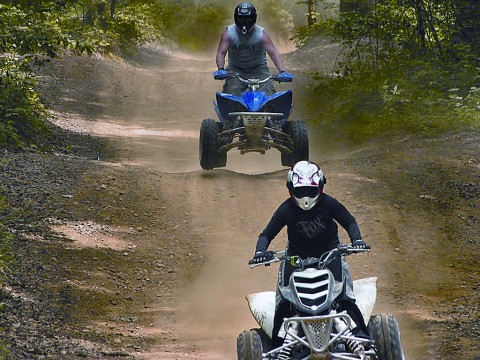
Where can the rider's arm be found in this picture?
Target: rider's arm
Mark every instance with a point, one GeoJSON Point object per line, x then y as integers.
{"type": "Point", "coordinates": [344, 218]}
{"type": "Point", "coordinates": [275, 225]}
{"type": "Point", "coordinates": [272, 51]}
{"type": "Point", "coordinates": [222, 49]}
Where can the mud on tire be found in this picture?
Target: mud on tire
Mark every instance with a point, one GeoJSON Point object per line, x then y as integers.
{"type": "Point", "coordinates": [298, 131]}
{"type": "Point", "coordinates": [249, 346]}
{"type": "Point", "coordinates": [208, 144]}
{"type": "Point", "coordinates": [384, 330]}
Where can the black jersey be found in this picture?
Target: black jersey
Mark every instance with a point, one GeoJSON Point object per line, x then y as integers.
{"type": "Point", "coordinates": [310, 232]}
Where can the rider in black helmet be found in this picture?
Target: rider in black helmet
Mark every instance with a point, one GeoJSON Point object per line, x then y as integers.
{"type": "Point", "coordinates": [247, 45]}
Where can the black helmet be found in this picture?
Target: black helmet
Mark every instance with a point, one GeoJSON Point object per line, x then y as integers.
{"type": "Point", "coordinates": [245, 16]}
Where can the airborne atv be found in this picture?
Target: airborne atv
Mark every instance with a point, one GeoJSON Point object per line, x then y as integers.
{"type": "Point", "coordinates": [253, 122]}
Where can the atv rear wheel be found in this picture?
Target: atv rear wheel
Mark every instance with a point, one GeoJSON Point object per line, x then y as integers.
{"type": "Point", "coordinates": [208, 145]}
{"type": "Point", "coordinates": [298, 131]}
{"type": "Point", "coordinates": [249, 346]}
{"type": "Point", "coordinates": [384, 330]}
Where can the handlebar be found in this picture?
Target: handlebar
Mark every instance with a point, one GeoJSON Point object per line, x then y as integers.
{"type": "Point", "coordinates": [324, 259]}
{"type": "Point", "coordinates": [251, 82]}
{"type": "Point", "coordinates": [272, 256]}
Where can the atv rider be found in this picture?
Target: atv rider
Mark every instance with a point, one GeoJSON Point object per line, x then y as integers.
{"type": "Point", "coordinates": [247, 45]}
{"type": "Point", "coordinates": [311, 218]}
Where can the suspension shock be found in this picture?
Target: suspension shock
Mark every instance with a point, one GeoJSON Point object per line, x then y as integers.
{"type": "Point", "coordinates": [355, 345]}
{"type": "Point", "coordinates": [286, 352]}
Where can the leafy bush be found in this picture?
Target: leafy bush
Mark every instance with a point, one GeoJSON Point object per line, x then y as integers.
{"type": "Point", "coordinates": [23, 31]}
{"type": "Point", "coordinates": [5, 240]}
{"type": "Point", "coordinates": [22, 115]}
{"type": "Point", "coordinates": [5, 352]}
{"type": "Point", "coordinates": [417, 97]}
{"type": "Point", "coordinates": [407, 66]}
{"type": "Point", "coordinates": [29, 30]}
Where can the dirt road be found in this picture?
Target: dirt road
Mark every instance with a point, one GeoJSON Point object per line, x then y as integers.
{"type": "Point", "coordinates": [176, 239]}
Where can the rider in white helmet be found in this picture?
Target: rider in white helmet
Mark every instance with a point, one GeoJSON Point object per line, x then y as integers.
{"type": "Point", "coordinates": [311, 218]}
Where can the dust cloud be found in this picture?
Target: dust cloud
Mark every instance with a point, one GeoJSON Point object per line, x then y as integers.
{"type": "Point", "coordinates": [228, 217]}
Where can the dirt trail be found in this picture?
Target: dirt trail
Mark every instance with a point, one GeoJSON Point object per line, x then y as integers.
{"type": "Point", "coordinates": [151, 114]}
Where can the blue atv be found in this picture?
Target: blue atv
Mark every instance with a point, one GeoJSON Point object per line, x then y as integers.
{"type": "Point", "coordinates": [253, 122]}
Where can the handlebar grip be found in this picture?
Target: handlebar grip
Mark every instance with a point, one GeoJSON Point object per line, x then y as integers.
{"type": "Point", "coordinates": [268, 256]}
{"type": "Point", "coordinates": [366, 248]}
{"type": "Point", "coordinates": [281, 78]}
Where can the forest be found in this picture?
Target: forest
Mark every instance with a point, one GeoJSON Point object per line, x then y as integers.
{"type": "Point", "coordinates": [425, 56]}
{"type": "Point", "coordinates": [407, 66]}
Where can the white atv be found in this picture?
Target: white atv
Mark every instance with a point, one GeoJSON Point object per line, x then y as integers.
{"type": "Point", "coordinates": [318, 329]}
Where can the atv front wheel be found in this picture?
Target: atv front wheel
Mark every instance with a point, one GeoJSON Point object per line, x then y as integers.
{"type": "Point", "coordinates": [208, 144]}
{"type": "Point", "coordinates": [384, 330]}
{"type": "Point", "coordinates": [298, 131]}
{"type": "Point", "coordinates": [265, 339]}
{"type": "Point", "coordinates": [249, 346]}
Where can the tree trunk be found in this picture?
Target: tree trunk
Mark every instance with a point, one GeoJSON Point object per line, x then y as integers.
{"type": "Point", "coordinates": [312, 12]}
{"type": "Point", "coordinates": [420, 25]}
{"type": "Point", "coordinates": [112, 8]}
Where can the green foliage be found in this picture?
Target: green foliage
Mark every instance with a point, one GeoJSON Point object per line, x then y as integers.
{"type": "Point", "coordinates": [5, 238]}
{"type": "Point", "coordinates": [194, 28]}
{"type": "Point", "coordinates": [30, 30]}
{"type": "Point", "coordinates": [407, 68]}
{"type": "Point", "coordinates": [428, 30]}
{"type": "Point", "coordinates": [27, 32]}
{"type": "Point", "coordinates": [5, 353]}
{"type": "Point", "coordinates": [92, 27]}
{"type": "Point", "coordinates": [88, 26]}
{"type": "Point", "coordinates": [417, 97]}
{"type": "Point", "coordinates": [22, 116]}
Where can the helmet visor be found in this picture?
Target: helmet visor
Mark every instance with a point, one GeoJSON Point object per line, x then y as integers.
{"type": "Point", "coordinates": [306, 191]}
{"type": "Point", "coordinates": [247, 21]}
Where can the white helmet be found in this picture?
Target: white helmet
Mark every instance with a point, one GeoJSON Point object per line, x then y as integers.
{"type": "Point", "coordinates": [305, 182]}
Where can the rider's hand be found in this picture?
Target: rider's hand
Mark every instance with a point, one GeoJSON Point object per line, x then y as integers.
{"type": "Point", "coordinates": [260, 257]}
{"type": "Point", "coordinates": [220, 74]}
{"type": "Point", "coordinates": [359, 244]}
{"type": "Point", "coordinates": [285, 76]}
